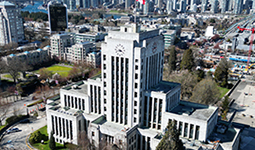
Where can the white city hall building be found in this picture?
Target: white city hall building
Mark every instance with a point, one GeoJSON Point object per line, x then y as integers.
{"type": "Point", "coordinates": [128, 104]}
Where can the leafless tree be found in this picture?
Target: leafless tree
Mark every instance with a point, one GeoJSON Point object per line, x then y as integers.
{"type": "Point", "coordinates": [14, 67]}
{"type": "Point", "coordinates": [4, 108]}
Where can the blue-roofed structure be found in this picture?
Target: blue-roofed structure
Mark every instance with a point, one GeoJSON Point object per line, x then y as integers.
{"type": "Point", "coordinates": [26, 52]}
{"type": "Point", "coordinates": [39, 49]}
{"type": "Point", "coordinates": [12, 55]}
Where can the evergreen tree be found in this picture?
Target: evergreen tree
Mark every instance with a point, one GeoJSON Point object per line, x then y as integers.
{"type": "Point", "coordinates": [187, 60]}
{"type": "Point", "coordinates": [221, 72]}
{"type": "Point", "coordinates": [172, 59]}
{"type": "Point", "coordinates": [52, 143]}
{"type": "Point", "coordinates": [171, 140]}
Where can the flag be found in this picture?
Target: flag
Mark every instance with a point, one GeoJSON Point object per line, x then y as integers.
{"type": "Point", "coordinates": [141, 1]}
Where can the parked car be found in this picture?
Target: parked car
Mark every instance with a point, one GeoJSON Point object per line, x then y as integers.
{"type": "Point", "coordinates": [25, 121]}
{"type": "Point", "coordinates": [12, 130]}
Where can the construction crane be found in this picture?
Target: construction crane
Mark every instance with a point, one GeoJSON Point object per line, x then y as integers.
{"type": "Point", "coordinates": [251, 43]}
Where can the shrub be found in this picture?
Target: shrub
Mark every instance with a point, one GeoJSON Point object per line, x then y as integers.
{"type": "Point", "coordinates": [13, 119]}
{"type": "Point", "coordinates": [36, 137]}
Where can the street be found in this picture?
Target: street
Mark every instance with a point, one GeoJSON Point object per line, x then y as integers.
{"type": "Point", "coordinates": [17, 140]}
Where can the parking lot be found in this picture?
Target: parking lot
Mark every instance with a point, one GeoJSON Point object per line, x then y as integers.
{"type": "Point", "coordinates": [17, 140]}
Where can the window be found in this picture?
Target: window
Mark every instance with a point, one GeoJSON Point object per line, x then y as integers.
{"type": "Point", "coordinates": [104, 92]}
{"type": "Point", "coordinates": [104, 66]}
{"type": "Point", "coordinates": [186, 130]}
{"type": "Point", "coordinates": [136, 60]}
{"type": "Point", "coordinates": [104, 84]}
{"type": "Point", "coordinates": [135, 103]}
{"type": "Point", "coordinates": [105, 101]}
{"type": "Point", "coordinates": [136, 85]}
{"type": "Point", "coordinates": [135, 119]}
{"type": "Point", "coordinates": [104, 75]}
{"type": "Point", "coordinates": [93, 133]}
{"type": "Point", "coordinates": [136, 67]}
{"type": "Point", "coordinates": [135, 111]}
{"type": "Point", "coordinates": [136, 76]}
{"type": "Point", "coordinates": [104, 57]}
{"type": "Point", "coordinates": [135, 94]}
{"type": "Point", "coordinates": [104, 108]}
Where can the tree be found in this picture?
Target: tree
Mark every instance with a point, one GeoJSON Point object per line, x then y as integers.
{"type": "Point", "coordinates": [4, 108]}
{"type": "Point", "coordinates": [171, 140]}
{"type": "Point", "coordinates": [187, 60]}
{"type": "Point", "coordinates": [205, 92]}
{"type": "Point", "coordinates": [74, 73]}
{"type": "Point", "coordinates": [212, 20]}
{"type": "Point", "coordinates": [45, 73]}
{"type": "Point", "coordinates": [52, 143]}
{"type": "Point", "coordinates": [188, 81]}
{"type": "Point", "coordinates": [172, 59]}
{"type": "Point", "coordinates": [13, 67]}
{"type": "Point", "coordinates": [221, 72]}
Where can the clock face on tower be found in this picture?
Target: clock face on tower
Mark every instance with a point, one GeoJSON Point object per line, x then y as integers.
{"type": "Point", "coordinates": [120, 50]}
{"type": "Point", "coordinates": [154, 47]}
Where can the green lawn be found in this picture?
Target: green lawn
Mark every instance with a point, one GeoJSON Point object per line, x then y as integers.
{"type": "Point", "coordinates": [9, 76]}
{"type": "Point", "coordinates": [45, 146]}
{"type": "Point", "coordinates": [223, 91]}
{"type": "Point", "coordinates": [1, 127]}
{"type": "Point", "coordinates": [61, 70]}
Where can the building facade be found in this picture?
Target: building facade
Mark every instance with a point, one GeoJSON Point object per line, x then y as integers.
{"type": "Point", "coordinates": [169, 37]}
{"type": "Point", "coordinates": [128, 104]}
{"type": "Point", "coordinates": [238, 6]}
{"type": "Point", "coordinates": [34, 57]}
{"type": "Point", "coordinates": [83, 52]}
{"type": "Point", "coordinates": [11, 24]}
{"type": "Point", "coordinates": [58, 43]}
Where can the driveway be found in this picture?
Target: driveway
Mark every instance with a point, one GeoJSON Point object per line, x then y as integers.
{"type": "Point", "coordinates": [17, 140]}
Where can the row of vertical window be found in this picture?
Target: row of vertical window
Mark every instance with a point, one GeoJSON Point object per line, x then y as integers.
{"type": "Point", "coordinates": [62, 127]}
{"type": "Point", "coordinates": [144, 143]}
{"type": "Point", "coordinates": [95, 100]}
{"type": "Point", "coordinates": [151, 114]}
{"type": "Point", "coordinates": [74, 102]}
{"type": "Point", "coordinates": [188, 130]}
{"type": "Point", "coordinates": [119, 89]}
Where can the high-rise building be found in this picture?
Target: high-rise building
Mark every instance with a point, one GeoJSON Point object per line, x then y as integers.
{"type": "Point", "coordinates": [238, 7]}
{"type": "Point", "coordinates": [253, 4]}
{"type": "Point", "coordinates": [169, 6]}
{"type": "Point", "coordinates": [224, 6]}
{"type": "Point", "coordinates": [148, 7]}
{"type": "Point", "coordinates": [204, 5]}
{"type": "Point", "coordinates": [11, 24]}
{"type": "Point", "coordinates": [127, 4]}
{"type": "Point", "coordinates": [214, 6]}
{"type": "Point", "coordinates": [58, 17]}
{"type": "Point", "coordinates": [160, 3]}
{"type": "Point", "coordinates": [191, 4]}
{"type": "Point", "coordinates": [128, 104]}
{"type": "Point", "coordinates": [182, 6]}
{"type": "Point", "coordinates": [175, 5]}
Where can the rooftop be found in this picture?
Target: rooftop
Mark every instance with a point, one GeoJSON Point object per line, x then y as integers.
{"type": "Point", "coordinates": [79, 87]}
{"type": "Point", "coordinates": [194, 110]}
{"type": "Point", "coordinates": [96, 76]}
{"type": "Point", "coordinates": [6, 3]}
{"type": "Point", "coordinates": [164, 86]}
